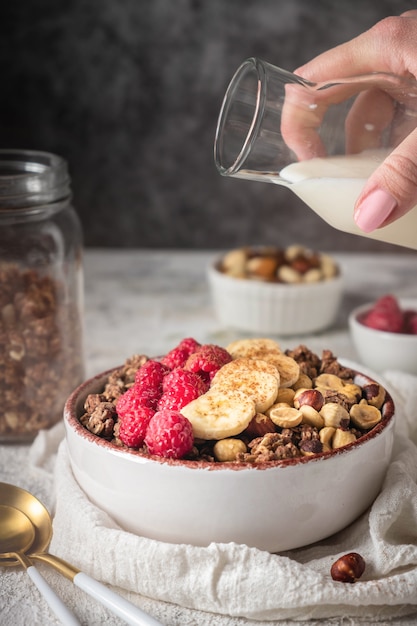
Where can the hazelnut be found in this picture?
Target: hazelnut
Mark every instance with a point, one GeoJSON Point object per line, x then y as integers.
{"type": "Point", "coordinates": [342, 438]}
{"type": "Point", "coordinates": [352, 392]}
{"type": "Point", "coordinates": [303, 381]}
{"type": "Point", "coordinates": [326, 435]}
{"type": "Point", "coordinates": [311, 417]}
{"type": "Point", "coordinates": [365, 416]}
{"type": "Point", "coordinates": [312, 397]}
{"type": "Point", "coordinates": [285, 416]}
{"type": "Point", "coordinates": [287, 274]}
{"type": "Point", "coordinates": [329, 381]}
{"type": "Point", "coordinates": [348, 568]}
{"type": "Point", "coordinates": [301, 264]}
{"type": "Point", "coordinates": [334, 414]}
{"type": "Point", "coordinates": [310, 447]}
{"type": "Point", "coordinates": [226, 450]}
{"type": "Point", "coordinates": [262, 267]}
{"type": "Point", "coordinates": [234, 263]}
{"type": "Point", "coordinates": [328, 266]}
{"type": "Point", "coordinates": [374, 394]}
{"type": "Point", "coordinates": [285, 394]}
{"type": "Point", "coordinates": [313, 275]}
{"type": "Point", "coordinates": [259, 425]}
{"type": "Point", "coordinates": [294, 251]}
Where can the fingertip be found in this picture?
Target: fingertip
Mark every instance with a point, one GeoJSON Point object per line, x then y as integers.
{"type": "Point", "coordinates": [374, 209]}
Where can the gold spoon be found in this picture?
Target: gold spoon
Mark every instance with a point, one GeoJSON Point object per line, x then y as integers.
{"type": "Point", "coordinates": [39, 517]}
{"type": "Point", "coordinates": [17, 535]}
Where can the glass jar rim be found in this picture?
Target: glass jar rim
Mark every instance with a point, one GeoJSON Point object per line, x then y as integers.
{"type": "Point", "coordinates": [31, 178]}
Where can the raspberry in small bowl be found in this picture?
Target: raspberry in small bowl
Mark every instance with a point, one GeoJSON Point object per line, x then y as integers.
{"type": "Point", "coordinates": [245, 443]}
{"type": "Point", "coordinates": [384, 333]}
{"type": "Point", "coordinates": [268, 290]}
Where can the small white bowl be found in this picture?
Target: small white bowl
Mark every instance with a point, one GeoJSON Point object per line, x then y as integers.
{"type": "Point", "coordinates": [274, 308]}
{"type": "Point", "coordinates": [273, 506]}
{"type": "Point", "coordinates": [381, 350]}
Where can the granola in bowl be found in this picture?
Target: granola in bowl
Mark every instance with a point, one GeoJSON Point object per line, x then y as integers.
{"type": "Point", "coordinates": [247, 403]}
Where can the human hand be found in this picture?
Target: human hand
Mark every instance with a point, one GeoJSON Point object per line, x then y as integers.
{"type": "Point", "coordinates": [389, 46]}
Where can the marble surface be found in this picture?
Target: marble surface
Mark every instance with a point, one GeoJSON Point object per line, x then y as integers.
{"type": "Point", "coordinates": [146, 301]}
{"type": "Point", "coordinates": [129, 92]}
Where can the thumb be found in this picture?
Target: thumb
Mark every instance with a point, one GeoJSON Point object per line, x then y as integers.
{"type": "Point", "coordinates": [391, 191]}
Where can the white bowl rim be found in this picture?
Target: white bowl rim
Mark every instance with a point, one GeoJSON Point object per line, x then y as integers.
{"type": "Point", "coordinates": [382, 334]}
{"type": "Point", "coordinates": [72, 422]}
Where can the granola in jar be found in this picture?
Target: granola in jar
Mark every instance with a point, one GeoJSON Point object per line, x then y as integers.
{"type": "Point", "coordinates": [41, 351]}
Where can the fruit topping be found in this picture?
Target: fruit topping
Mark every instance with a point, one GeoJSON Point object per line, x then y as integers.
{"type": "Point", "coordinates": [169, 434]}
{"type": "Point", "coordinates": [387, 315]}
{"type": "Point", "coordinates": [207, 360]}
{"type": "Point", "coordinates": [179, 388]}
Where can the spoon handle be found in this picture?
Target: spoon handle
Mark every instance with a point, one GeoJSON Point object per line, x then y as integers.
{"type": "Point", "coordinates": [130, 613]}
{"type": "Point", "coordinates": [118, 605]}
{"type": "Point", "coordinates": [56, 604]}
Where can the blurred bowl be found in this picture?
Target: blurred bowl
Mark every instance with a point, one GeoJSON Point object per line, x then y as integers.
{"type": "Point", "coordinates": [273, 506]}
{"type": "Point", "coordinates": [381, 350]}
{"type": "Point", "coordinates": [271, 307]}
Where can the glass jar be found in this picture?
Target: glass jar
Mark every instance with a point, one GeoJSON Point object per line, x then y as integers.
{"type": "Point", "coordinates": [41, 293]}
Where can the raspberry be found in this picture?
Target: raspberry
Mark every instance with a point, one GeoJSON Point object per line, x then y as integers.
{"type": "Point", "coordinates": [410, 322]}
{"type": "Point", "coordinates": [169, 434]}
{"type": "Point", "coordinates": [133, 426]}
{"type": "Point", "coordinates": [207, 360]}
{"type": "Point", "coordinates": [178, 355]}
{"type": "Point", "coordinates": [385, 315]}
{"type": "Point", "coordinates": [131, 401]}
{"type": "Point", "coordinates": [179, 388]}
{"type": "Point", "coordinates": [151, 374]}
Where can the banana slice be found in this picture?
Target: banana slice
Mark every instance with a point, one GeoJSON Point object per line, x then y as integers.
{"type": "Point", "coordinates": [254, 377]}
{"type": "Point", "coordinates": [249, 364]}
{"type": "Point", "coordinates": [288, 368]}
{"type": "Point", "coordinates": [267, 350]}
{"type": "Point", "coordinates": [218, 414]}
{"type": "Point", "coordinates": [252, 348]}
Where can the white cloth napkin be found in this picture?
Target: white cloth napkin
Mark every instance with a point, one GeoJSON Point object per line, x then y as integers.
{"type": "Point", "coordinates": [241, 582]}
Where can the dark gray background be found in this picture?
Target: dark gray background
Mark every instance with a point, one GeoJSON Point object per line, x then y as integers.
{"type": "Point", "coordinates": [128, 91]}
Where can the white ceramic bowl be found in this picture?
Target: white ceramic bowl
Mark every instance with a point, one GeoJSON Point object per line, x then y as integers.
{"type": "Point", "coordinates": [381, 350]}
{"type": "Point", "coordinates": [274, 308]}
{"type": "Point", "coordinates": [276, 506]}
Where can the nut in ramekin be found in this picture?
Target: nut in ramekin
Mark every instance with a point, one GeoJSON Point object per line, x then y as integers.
{"type": "Point", "coordinates": [281, 292]}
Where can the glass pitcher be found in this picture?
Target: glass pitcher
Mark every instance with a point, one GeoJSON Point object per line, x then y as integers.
{"type": "Point", "coordinates": [321, 140]}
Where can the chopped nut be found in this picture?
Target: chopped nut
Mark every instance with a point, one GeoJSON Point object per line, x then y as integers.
{"type": "Point", "coordinates": [326, 435]}
{"type": "Point", "coordinates": [374, 394]}
{"type": "Point", "coordinates": [234, 263]}
{"type": "Point", "coordinates": [285, 416]}
{"type": "Point", "coordinates": [365, 416]}
{"type": "Point", "coordinates": [303, 382]}
{"type": "Point", "coordinates": [314, 275]}
{"type": "Point", "coordinates": [259, 426]}
{"type": "Point", "coordinates": [311, 416]}
{"type": "Point", "coordinates": [287, 274]}
{"type": "Point", "coordinates": [226, 450]}
{"type": "Point", "coordinates": [285, 395]}
{"type": "Point", "coordinates": [334, 414]}
{"type": "Point", "coordinates": [342, 438]}
{"type": "Point", "coordinates": [329, 381]}
{"type": "Point", "coordinates": [262, 267]}
{"type": "Point", "coordinates": [310, 447]}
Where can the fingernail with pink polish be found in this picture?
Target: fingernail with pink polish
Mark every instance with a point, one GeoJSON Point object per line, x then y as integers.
{"type": "Point", "coordinates": [374, 210]}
